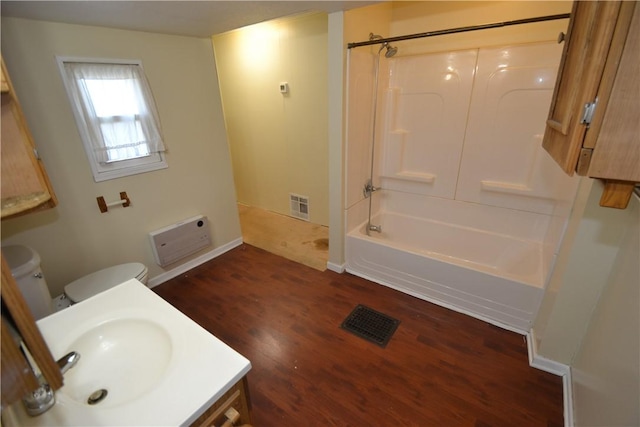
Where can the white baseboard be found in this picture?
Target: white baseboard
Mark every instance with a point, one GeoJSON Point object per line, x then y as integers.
{"type": "Point", "coordinates": [338, 268]}
{"type": "Point", "coordinates": [183, 268]}
{"type": "Point", "coordinates": [556, 368]}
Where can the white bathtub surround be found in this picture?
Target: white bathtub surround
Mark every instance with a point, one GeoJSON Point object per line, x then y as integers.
{"type": "Point", "coordinates": [472, 209]}
{"type": "Point", "coordinates": [503, 163]}
{"type": "Point", "coordinates": [426, 111]}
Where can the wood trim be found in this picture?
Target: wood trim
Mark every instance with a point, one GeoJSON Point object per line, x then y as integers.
{"type": "Point", "coordinates": [557, 126]}
{"type": "Point", "coordinates": [4, 85]}
{"type": "Point", "coordinates": [616, 194]}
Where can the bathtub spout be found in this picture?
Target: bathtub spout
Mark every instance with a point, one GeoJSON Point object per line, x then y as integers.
{"type": "Point", "coordinates": [377, 228]}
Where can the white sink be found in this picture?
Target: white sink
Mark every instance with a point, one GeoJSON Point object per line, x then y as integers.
{"type": "Point", "coordinates": [158, 367]}
{"type": "Point", "coordinates": [125, 357]}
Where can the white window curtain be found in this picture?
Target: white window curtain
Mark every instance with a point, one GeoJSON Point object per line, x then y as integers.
{"type": "Point", "coordinates": [116, 108]}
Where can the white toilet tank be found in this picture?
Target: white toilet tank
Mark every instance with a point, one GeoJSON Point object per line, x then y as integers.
{"type": "Point", "coordinates": [24, 263]}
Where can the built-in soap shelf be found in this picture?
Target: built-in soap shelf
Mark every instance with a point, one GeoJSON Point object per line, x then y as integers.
{"type": "Point", "coordinates": [506, 187]}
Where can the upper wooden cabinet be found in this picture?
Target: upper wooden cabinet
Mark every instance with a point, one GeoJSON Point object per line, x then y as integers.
{"type": "Point", "coordinates": [594, 120]}
{"type": "Point", "coordinates": [25, 184]}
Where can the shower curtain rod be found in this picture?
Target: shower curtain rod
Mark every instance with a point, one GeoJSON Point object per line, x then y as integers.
{"type": "Point", "coordinates": [460, 30]}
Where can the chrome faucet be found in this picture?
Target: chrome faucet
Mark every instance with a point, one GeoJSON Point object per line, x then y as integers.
{"type": "Point", "coordinates": [68, 361]}
{"type": "Point", "coordinates": [43, 398]}
{"type": "Point", "coordinates": [377, 228]}
{"type": "Point", "coordinates": [369, 189]}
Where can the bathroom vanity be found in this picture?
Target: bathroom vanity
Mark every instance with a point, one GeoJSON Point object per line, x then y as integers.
{"type": "Point", "coordinates": [233, 402]}
{"type": "Point", "coordinates": [149, 363]}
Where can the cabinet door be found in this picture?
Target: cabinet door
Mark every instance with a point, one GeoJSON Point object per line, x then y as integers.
{"type": "Point", "coordinates": [25, 185]}
{"type": "Point", "coordinates": [237, 398]}
{"type": "Point", "coordinates": [585, 53]}
{"type": "Point", "coordinates": [16, 376]}
{"type": "Point", "coordinates": [616, 126]}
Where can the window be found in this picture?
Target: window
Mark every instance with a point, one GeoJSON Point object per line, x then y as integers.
{"type": "Point", "coordinates": [116, 116]}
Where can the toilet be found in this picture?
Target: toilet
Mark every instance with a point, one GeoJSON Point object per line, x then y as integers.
{"type": "Point", "coordinates": [24, 263]}
{"type": "Point", "coordinates": [94, 283]}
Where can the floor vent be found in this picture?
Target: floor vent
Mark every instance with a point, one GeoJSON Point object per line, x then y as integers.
{"type": "Point", "coordinates": [370, 325]}
{"type": "Point", "coordinates": [299, 206]}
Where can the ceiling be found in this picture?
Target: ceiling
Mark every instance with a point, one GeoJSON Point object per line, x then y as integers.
{"type": "Point", "coordinates": [187, 18]}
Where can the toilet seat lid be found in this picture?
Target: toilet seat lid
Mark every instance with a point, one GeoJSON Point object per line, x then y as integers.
{"type": "Point", "coordinates": [94, 283]}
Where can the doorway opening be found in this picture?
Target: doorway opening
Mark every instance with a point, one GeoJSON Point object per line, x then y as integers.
{"type": "Point", "coordinates": [273, 82]}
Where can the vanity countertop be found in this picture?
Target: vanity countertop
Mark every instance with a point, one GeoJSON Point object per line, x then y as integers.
{"type": "Point", "coordinates": [159, 367]}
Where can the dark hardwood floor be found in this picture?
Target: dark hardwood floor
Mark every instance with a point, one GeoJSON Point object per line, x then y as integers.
{"type": "Point", "coordinates": [441, 368]}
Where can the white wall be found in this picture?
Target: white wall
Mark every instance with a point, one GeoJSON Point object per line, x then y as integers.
{"type": "Point", "coordinates": [75, 238]}
{"type": "Point", "coordinates": [279, 143]}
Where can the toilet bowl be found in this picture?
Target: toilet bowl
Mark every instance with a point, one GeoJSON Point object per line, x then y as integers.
{"type": "Point", "coordinates": [24, 263]}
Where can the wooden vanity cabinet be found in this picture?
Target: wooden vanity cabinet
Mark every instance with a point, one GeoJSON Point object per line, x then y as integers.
{"type": "Point", "coordinates": [25, 184]}
{"type": "Point", "coordinates": [593, 127]}
{"type": "Point", "coordinates": [237, 398]}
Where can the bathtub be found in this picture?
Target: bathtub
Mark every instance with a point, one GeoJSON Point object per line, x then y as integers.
{"type": "Point", "coordinates": [493, 276]}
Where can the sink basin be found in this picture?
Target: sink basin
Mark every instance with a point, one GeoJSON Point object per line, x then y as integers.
{"type": "Point", "coordinates": [157, 366]}
{"type": "Point", "coordinates": [125, 357]}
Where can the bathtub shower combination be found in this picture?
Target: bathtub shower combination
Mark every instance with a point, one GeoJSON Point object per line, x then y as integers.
{"type": "Point", "coordinates": [450, 196]}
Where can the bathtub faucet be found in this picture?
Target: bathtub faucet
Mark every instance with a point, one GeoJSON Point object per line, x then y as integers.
{"type": "Point", "coordinates": [377, 228]}
{"type": "Point", "coordinates": [369, 188]}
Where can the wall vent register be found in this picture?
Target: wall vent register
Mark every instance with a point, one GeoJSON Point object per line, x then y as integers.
{"type": "Point", "coordinates": [179, 240]}
{"type": "Point", "coordinates": [299, 206]}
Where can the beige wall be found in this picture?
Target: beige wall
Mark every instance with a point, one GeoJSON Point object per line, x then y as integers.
{"type": "Point", "coordinates": [336, 65]}
{"type": "Point", "coordinates": [75, 238]}
{"type": "Point", "coordinates": [606, 369]}
{"type": "Point", "coordinates": [392, 19]}
{"type": "Point", "coordinates": [584, 264]}
{"type": "Point", "coordinates": [279, 143]}
{"type": "Point", "coordinates": [361, 22]}
{"type": "Point", "coordinates": [589, 318]}
{"type": "Point", "coordinates": [417, 17]}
